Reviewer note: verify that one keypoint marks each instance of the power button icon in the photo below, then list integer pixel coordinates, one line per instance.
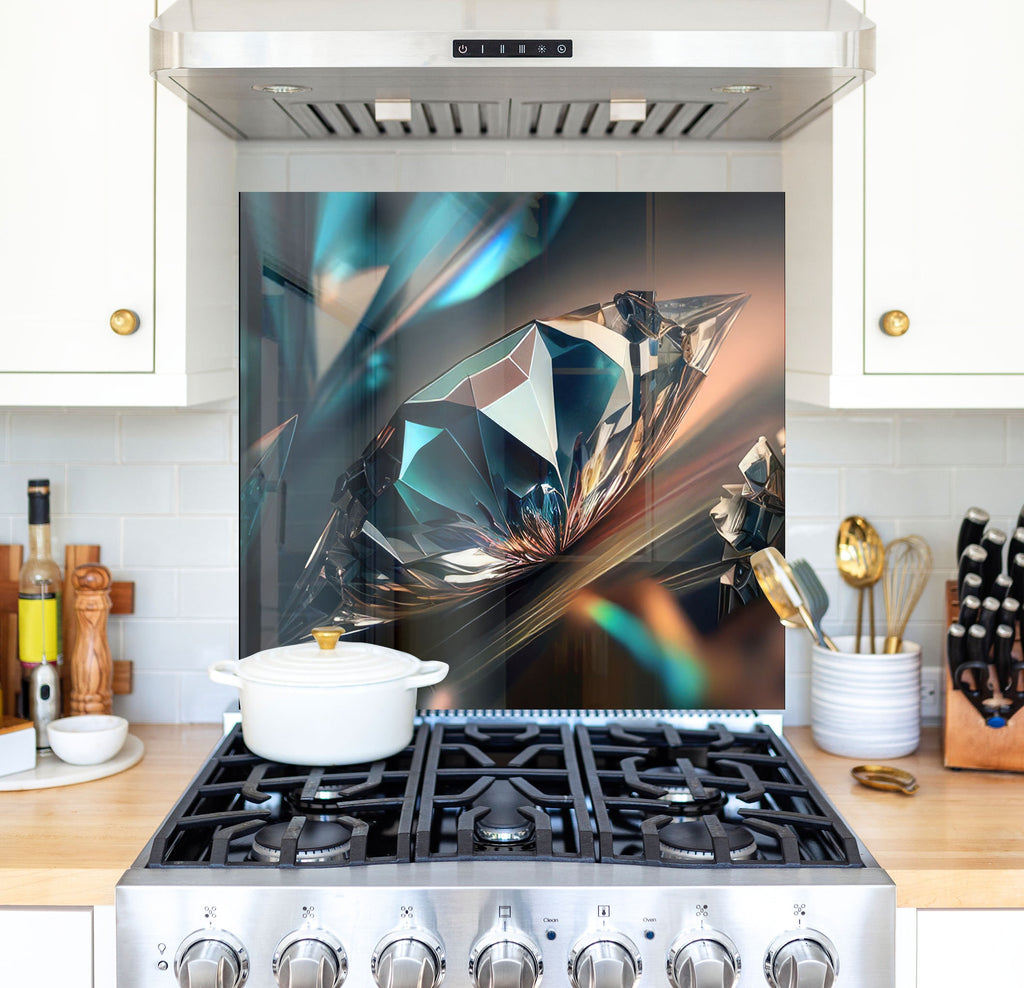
(463, 49)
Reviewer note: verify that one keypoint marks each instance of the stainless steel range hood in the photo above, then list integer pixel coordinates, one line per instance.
(496, 69)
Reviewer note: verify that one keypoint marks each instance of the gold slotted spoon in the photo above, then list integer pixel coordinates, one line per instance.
(860, 559)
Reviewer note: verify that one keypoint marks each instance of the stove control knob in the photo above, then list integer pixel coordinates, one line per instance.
(707, 959)
(310, 959)
(211, 959)
(408, 959)
(505, 961)
(605, 960)
(801, 959)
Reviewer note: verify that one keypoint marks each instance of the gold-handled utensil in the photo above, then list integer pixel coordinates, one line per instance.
(776, 581)
(860, 558)
(908, 564)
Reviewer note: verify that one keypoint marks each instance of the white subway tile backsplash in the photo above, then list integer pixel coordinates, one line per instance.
(73, 529)
(79, 437)
(155, 698)
(424, 172)
(156, 592)
(570, 171)
(755, 172)
(896, 493)
(840, 440)
(180, 437)
(209, 593)
(203, 701)
(119, 489)
(811, 493)
(343, 173)
(209, 490)
(941, 440)
(178, 542)
(161, 645)
(14, 478)
(669, 172)
(999, 490)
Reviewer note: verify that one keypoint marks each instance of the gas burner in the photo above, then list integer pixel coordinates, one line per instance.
(691, 841)
(682, 801)
(502, 823)
(319, 842)
(327, 803)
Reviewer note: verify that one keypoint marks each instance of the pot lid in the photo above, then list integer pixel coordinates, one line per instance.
(340, 664)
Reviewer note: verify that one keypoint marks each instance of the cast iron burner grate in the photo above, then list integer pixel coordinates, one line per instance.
(616, 793)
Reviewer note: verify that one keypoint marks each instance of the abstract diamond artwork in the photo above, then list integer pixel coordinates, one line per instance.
(433, 473)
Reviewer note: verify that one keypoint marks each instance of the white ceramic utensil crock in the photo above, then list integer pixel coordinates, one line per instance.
(328, 703)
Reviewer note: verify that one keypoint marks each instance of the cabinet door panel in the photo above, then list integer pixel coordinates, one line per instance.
(944, 151)
(76, 194)
(46, 947)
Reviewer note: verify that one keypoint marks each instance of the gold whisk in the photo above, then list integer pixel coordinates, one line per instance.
(908, 564)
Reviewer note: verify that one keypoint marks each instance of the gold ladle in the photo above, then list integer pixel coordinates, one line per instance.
(860, 558)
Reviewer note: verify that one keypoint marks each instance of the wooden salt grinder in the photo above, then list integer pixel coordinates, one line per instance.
(92, 670)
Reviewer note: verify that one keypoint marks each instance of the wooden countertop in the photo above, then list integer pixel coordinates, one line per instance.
(958, 843)
(69, 846)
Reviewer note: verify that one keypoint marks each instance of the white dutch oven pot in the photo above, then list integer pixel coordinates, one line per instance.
(325, 703)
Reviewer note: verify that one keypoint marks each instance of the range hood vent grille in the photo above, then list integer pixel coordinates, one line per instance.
(355, 120)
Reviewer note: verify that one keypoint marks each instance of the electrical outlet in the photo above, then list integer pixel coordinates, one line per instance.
(931, 694)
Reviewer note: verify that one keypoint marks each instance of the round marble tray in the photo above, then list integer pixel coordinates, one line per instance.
(50, 771)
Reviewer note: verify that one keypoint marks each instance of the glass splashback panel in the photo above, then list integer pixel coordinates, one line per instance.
(534, 435)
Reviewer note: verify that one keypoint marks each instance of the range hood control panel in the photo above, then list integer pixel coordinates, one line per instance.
(512, 48)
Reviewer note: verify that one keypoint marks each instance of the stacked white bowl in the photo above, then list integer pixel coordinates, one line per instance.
(863, 705)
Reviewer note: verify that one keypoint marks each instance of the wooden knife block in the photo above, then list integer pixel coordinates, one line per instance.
(122, 597)
(967, 741)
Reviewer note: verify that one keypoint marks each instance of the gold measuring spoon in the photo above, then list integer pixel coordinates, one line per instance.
(860, 559)
(885, 777)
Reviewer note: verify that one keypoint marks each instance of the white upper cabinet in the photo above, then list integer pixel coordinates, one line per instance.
(98, 182)
(907, 198)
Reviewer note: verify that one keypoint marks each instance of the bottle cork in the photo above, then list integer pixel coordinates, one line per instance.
(92, 670)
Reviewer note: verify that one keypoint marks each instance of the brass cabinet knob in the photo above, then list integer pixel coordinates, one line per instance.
(124, 322)
(895, 323)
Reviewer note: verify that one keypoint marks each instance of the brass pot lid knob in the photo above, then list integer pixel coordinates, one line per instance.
(327, 637)
(895, 323)
(124, 322)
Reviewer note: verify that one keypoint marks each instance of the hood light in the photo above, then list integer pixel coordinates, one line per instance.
(281, 90)
(740, 89)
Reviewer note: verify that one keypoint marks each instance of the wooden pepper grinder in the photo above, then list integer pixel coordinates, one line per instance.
(92, 670)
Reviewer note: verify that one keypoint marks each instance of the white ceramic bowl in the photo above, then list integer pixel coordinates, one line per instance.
(88, 739)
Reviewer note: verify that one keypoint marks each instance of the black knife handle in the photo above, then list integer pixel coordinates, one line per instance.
(1016, 545)
(977, 659)
(970, 608)
(1017, 576)
(972, 560)
(1001, 659)
(1020, 518)
(971, 528)
(988, 619)
(1001, 586)
(1009, 612)
(993, 542)
(956, 651)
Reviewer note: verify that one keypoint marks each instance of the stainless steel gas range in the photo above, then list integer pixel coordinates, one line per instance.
(598, 852)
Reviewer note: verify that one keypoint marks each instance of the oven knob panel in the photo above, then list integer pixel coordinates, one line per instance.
(310, 959)
(605, 960)
(408, 959)
(211, 959)
(801, 959)
(707, 959)
(505, 961)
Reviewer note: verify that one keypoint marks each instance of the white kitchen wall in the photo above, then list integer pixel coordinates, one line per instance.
(158, 489)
